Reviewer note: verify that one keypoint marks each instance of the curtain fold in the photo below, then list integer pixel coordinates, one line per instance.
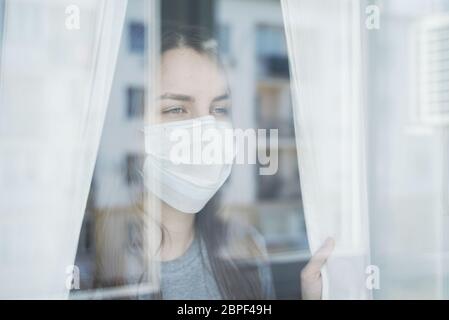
(54, 89)
(325, 48)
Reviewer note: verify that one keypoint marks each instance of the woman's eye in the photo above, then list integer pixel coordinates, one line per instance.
(174, 110)
(222, 111)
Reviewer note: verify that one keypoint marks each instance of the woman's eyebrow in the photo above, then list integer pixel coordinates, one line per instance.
(176, 96)
(222, 97)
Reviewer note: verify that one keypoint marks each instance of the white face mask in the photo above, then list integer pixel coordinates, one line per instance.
(188, 161)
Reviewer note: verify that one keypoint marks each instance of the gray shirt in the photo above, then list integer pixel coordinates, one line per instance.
(190, 276)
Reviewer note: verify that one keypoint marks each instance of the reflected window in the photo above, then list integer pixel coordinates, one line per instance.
(272, 51)
(137, 37)
(224, 39)
(135, 102)
(134, 163)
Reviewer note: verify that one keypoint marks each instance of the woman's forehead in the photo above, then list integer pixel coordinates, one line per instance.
(186, 71)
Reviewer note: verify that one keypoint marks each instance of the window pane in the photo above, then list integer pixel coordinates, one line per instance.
(369, 105)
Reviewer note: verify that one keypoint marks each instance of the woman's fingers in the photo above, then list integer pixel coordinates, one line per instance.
(311, 285)
(312, 269)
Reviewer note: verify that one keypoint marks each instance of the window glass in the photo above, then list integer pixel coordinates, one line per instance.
(370, 113)
(207, 149)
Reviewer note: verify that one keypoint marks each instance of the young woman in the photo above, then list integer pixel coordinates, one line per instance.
(196, 253)
(201, 255)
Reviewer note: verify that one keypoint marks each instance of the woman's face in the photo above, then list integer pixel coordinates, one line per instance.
(192, 85)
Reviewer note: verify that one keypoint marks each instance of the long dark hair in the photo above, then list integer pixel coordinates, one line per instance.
(236, 278)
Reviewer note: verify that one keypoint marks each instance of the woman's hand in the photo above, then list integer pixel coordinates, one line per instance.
(311, 283)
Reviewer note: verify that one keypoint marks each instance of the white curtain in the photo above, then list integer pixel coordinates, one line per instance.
(55, 80)
(325, 51)
(370, 106)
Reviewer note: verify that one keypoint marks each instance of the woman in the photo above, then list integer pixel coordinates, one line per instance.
(201, 255)
(188, 250)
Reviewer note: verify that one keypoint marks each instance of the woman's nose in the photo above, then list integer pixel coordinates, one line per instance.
(201, 110)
